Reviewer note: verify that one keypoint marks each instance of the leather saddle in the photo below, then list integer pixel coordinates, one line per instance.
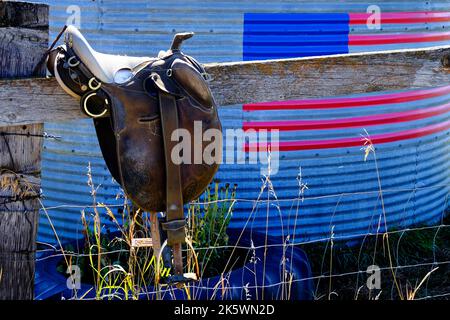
(136, 104)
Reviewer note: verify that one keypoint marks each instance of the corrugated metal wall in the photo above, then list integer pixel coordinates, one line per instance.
(277, 35)
(342, 188)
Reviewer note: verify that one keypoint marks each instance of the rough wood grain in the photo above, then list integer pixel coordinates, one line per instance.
(24, 15)
(23, 41)
(41, 100)
(327, 76)
(20, 49)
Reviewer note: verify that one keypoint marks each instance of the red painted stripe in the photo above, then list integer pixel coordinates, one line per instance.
(402, 17)
(349, 142)
(379, 39)
(364, 121)
(351, 102)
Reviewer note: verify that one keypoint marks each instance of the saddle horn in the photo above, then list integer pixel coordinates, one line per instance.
(179, 38)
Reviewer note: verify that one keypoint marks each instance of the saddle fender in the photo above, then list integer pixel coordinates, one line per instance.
(192, 83)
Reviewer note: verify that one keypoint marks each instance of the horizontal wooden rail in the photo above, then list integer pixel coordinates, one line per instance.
(41, 100)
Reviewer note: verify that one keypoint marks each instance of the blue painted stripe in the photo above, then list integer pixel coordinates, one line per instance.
(288, 35)
(296, 18)
(281, 28)
(290, 40)
(266, 55)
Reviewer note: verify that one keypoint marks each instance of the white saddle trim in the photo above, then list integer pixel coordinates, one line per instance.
(103, 66)
(61, 82)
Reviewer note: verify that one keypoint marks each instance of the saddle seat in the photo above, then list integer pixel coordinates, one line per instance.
(107, 68)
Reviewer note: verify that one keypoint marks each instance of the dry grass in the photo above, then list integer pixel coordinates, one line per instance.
(413, 264)
(417, 258)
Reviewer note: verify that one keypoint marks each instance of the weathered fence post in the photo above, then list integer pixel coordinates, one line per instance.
(23, 41)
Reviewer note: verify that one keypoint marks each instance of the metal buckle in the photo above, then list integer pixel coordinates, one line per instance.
(86, 109)
(91, 84)
(73, 64)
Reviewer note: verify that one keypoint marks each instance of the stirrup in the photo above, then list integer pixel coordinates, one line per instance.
(178, 279)
(166, 253)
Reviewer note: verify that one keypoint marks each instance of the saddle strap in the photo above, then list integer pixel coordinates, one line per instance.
(174, 197)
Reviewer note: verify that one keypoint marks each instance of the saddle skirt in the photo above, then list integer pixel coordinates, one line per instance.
(136, 104)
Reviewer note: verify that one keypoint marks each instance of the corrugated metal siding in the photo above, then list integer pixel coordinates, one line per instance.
(145, 27)
(343, 188)
(287, 35)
